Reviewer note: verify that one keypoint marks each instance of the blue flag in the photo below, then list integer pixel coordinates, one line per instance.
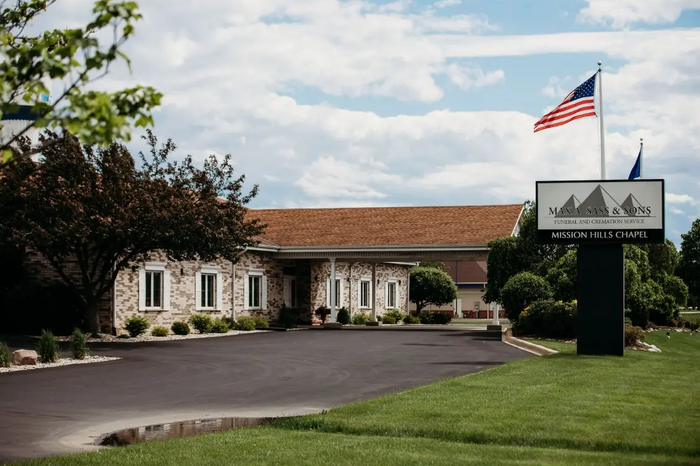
(637, 169)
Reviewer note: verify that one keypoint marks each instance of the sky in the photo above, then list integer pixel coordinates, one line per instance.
(327, 103)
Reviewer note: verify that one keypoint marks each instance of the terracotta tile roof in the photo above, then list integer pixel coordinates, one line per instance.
(467, 271)
(388, 226)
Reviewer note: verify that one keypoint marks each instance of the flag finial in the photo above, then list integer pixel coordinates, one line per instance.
(600, 63)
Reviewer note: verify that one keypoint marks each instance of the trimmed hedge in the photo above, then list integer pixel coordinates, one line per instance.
(548, 318)
(521, 291)
(180, 328)
(136, 325)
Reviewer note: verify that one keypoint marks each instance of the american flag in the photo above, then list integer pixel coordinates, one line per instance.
(578, 104)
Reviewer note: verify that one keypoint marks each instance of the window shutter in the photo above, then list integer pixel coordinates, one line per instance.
(359, 294)
(219, 291)
(246, 291)
(197, 291)
(263, 304)
(386, 295)
(166, 290)
(142, 290)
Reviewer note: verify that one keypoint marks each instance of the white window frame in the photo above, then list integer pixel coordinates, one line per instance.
(263, 290)
(339, 292)
(164, 286)
(395, 282)
(362, 280)
(218, 288)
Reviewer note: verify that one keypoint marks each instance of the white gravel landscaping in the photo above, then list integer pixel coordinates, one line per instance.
(60, 362)
(104, 337)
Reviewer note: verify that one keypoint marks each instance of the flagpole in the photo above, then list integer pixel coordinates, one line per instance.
(602, 126)
(641, 157)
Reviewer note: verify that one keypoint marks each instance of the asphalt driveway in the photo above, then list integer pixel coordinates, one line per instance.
(61, 410)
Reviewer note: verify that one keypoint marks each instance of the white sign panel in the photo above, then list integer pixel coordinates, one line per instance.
(617, 211)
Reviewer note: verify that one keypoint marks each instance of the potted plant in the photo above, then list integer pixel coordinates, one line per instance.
(322, 313)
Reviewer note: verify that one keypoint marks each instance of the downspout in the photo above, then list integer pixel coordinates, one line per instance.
(114, 302)
(233, 285)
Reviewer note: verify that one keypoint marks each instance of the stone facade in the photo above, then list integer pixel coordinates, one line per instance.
(350, 275)
(310, 277)
(182, 292)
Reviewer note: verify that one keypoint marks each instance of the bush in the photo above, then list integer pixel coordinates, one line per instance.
(322, 313)
(437, 318)
(47, 348)
(442, 318)
(387, 319)
(632, 334)
(160, 331)
(547, 318)
(180, 328)
(136, 325)
(640, 317)
(244, 324)
(5, 355)
(521, 291)
(219, 326)
(260, 322)
(289, 317)
(396, 314)
(409, 319)
(343, 316)
(227, 320)
(360, 318)
(78, 344)
(201, 322)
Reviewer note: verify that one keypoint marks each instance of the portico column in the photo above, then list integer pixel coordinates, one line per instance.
(374, 292)
(495, 314)
(332, 285)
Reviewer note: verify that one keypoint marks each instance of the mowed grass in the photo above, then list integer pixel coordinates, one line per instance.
(560, 409)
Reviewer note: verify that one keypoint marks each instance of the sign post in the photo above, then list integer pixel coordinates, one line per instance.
(600, 217)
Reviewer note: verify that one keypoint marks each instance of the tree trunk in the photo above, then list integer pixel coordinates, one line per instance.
(93, 315)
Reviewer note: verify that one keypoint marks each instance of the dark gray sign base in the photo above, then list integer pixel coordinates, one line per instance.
(601, 299)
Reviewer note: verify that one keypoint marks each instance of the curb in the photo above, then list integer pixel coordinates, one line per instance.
(508, 338)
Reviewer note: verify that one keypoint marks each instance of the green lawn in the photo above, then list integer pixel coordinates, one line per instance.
(555, 410)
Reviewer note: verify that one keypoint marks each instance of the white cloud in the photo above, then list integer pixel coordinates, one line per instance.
(446, 3)
(270, 178)
(676, 210)
(679, 199)
(622, 13)
(473, 77)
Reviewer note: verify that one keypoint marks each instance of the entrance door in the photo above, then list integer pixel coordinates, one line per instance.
(290, 291)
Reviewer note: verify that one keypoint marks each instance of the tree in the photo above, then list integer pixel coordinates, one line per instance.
(504, 261)
(520, 291)
(663, 259)
(562, 277)
(76, 57)
(689, 263)
(533, 253)
(95, 208)
(430, 285)
(436, 265)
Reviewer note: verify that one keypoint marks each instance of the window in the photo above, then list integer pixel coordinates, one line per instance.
(208, 292)
(254, 291)
(154, 289)
(208, 289)
(365, 293)
(391, 288)
(338, 292)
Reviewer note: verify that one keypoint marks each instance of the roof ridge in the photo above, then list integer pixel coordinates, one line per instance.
(386, 207)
